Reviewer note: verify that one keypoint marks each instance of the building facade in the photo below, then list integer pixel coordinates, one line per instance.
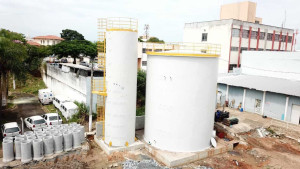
(244, 11)
(270, 87)
(236, 36)
(47, 40)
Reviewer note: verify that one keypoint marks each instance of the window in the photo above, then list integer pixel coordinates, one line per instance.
(290, 39)
(256, 21)
(53, 118)
(276, 37)
(144, 50)
(41, 121)
(282, 38)
(144, 63)
(231, 66)
(235, 32)
(245, 33)
(12, 130)
(254, 35)
(234, 48)
(204, 37)
(45, 95)
(269, 37)
(262, 35)
(243, 48)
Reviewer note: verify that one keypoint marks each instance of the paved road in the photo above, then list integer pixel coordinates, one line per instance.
(27, 105)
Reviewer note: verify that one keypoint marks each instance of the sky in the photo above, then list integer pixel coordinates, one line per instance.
(166, 18)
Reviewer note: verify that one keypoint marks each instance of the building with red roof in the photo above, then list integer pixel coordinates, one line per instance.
(47, 40)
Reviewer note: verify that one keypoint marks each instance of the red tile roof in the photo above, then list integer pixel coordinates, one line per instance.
(49, 37)
(30, 42)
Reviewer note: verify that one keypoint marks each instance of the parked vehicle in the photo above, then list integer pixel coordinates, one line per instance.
(10, 129)
(45, 96)
(64, 60)
(68, 109)
(35, 121)
(52, 119)
(58, 100)
(84, 64)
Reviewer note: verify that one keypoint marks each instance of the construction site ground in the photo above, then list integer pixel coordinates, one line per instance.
(279, 148)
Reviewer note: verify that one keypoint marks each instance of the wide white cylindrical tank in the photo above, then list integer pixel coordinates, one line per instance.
(180, 101)
(121, 76)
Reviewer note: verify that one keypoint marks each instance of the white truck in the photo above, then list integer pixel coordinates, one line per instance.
(58, 100)
(68, 109)
(52, 119)
(45, 96)
(35, 121)
(10, 129)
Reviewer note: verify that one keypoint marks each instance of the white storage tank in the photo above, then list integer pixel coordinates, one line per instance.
(121, 76)
(180, 97)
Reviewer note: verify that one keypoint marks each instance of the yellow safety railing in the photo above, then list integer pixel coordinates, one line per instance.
(119, 23)
(184, 49)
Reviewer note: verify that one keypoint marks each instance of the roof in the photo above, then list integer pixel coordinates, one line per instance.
(62, 98)
(234, 21)
(36, 117)
(70, 105)
(30, 42)
(45, 90)
(52, 37)
(76, 66)
(263, 83)
(52, 114)
(11, 124)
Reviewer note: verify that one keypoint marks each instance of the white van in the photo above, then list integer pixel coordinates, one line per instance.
(45, 96)
(68, 109)
(58, 100)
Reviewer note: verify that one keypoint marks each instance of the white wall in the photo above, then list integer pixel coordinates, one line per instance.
(273, 64)
(217, 34)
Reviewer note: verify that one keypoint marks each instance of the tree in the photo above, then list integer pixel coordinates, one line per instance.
(36, 55)
(141, 87)
(155, 40)
(140, 39)
(69, 34)
(12, 56)
(75, 49)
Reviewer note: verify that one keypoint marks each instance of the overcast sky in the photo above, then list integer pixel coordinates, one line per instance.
(165, 17)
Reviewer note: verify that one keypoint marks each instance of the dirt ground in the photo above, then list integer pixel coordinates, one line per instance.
(279, 149)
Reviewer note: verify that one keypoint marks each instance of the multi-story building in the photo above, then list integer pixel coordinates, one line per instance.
(235, 36)
(238, 30)
(47, 40)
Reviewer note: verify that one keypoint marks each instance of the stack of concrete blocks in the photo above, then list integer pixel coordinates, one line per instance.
(46, 141)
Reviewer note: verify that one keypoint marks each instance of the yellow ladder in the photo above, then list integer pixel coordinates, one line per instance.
(99, 85)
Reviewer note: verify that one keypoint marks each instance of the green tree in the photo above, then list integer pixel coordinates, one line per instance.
(141, 87)
(36, 55)
(75, 49)
(140, 39)
(155, 40)
(13, 53)
(69, 34)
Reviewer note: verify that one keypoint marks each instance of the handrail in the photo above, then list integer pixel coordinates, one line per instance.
(184, 48)
(120, 23)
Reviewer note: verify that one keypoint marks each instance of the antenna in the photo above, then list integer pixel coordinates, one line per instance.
(284, 20)
(146, 28)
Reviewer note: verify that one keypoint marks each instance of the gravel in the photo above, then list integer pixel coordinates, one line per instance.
(149, 164)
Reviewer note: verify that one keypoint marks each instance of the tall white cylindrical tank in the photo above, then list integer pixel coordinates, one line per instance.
(180, 101)
(121, 76)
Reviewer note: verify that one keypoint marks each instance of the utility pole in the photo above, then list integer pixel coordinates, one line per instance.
(91, 99)
(146, 28)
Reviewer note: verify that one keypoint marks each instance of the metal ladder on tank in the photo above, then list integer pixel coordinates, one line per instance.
(99, 86)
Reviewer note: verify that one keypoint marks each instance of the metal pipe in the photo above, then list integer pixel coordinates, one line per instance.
(91, 100)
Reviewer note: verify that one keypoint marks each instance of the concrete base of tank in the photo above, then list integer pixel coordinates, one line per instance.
(108, 150)
(173, 159)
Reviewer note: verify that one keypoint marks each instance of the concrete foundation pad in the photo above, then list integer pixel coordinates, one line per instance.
(109, 150)
(173, 159)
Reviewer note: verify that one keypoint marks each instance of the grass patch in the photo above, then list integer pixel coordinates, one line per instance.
(31, 86)
(10, 106)
(62, 117)
(140, 111)
(270, 130)
(50, 108)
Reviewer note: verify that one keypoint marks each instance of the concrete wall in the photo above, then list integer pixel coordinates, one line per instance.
(140, 122)
(251, 96)
(245, 11)
(272, 64)
(236, 94)
(292, 101)
(275, 105)
(69, 84)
